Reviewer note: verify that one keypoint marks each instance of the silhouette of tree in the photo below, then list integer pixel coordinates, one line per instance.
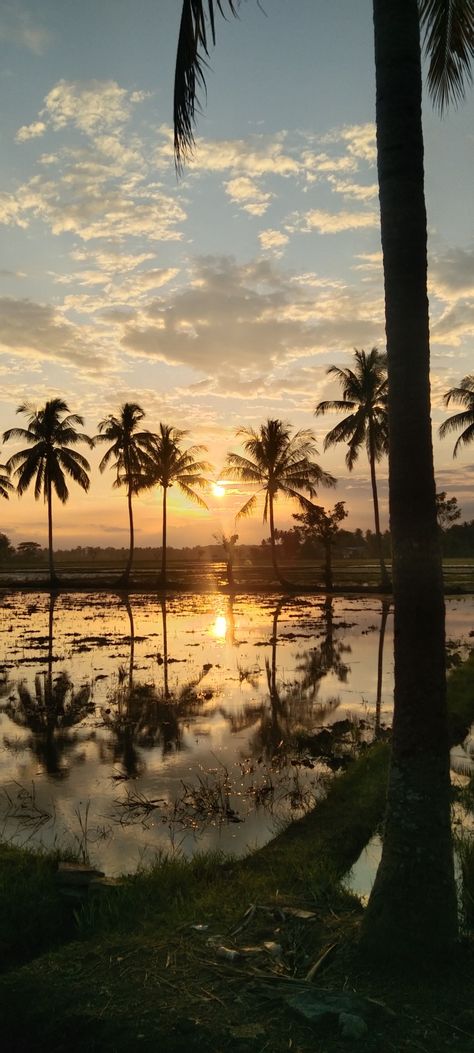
(6, 486)
(129, 454)
(413, 903)
(278, 463)
(364, 391)
(464, 394)
(447, 510)
(316, 522)
(50, 459)
(170, 465)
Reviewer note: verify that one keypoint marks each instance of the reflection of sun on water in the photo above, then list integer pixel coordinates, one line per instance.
(219, 628)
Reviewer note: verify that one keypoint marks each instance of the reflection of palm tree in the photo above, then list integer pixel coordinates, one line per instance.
(50, 459)
(290, 706)
(325, 659)
(464, 394)
(378, 704)
(170, 465)
(365, 393)
(129, 454)
(50, 711)
(142, 717)
(278, 463)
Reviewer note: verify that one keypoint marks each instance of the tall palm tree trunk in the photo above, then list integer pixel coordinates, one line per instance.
(163, 551)
(126, 574)
(49, 498)
(412, 907)
(384, 578)
(276, 568)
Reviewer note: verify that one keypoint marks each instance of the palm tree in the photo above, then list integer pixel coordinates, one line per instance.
(465, 395)
(129, 454)
(50, 459)
(278, 463)
(170, 464)
(5, 484)
(413, 903)
(364, 391)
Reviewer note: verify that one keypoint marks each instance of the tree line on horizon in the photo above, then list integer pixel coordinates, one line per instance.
(276, 461)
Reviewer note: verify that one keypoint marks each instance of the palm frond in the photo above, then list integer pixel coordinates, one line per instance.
(448, 41)
(189, 71)
(247, 508)
(333, 404)
(191, 494)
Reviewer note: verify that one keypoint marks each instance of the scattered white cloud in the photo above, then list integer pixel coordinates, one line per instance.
(334, 222)
(30, 131)
(273, 241)
(355, 191)
(245, 192)
(90, 106)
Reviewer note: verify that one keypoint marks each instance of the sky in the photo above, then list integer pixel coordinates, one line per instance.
(220, 299)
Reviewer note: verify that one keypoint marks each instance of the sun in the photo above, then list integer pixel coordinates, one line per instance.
(218, 490)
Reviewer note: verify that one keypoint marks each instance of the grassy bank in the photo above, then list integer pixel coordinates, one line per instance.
(206, 955)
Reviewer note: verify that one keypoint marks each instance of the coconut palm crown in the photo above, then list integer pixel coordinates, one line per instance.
(170, 465)
(365, 393)
(277, 463)
(129, 454)
(464, 394)
(49, 461)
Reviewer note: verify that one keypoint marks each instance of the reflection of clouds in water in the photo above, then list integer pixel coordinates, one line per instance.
(217, 707)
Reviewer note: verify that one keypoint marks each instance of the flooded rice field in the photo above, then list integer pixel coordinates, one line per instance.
(132, 726)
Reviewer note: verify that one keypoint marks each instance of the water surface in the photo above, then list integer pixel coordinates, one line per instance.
(130, 726)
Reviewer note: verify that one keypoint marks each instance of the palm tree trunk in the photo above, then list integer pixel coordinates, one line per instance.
(412, 908)
(49, 498)
(272, 540)
(384, 578)
(126, 574)
(163, 550)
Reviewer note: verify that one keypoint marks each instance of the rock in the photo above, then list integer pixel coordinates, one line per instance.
(351, 1026)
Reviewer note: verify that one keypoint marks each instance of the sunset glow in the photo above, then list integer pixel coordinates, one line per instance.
(220, 299)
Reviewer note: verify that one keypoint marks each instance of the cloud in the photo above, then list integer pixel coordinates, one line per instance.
(334, 222)
(256, 156)
(361, 141)
(242, 327)
(17, 26)
(245, 192)
(30, 131)
(353, 191)
(37, 331)
(273, 241)
(451, 274)
(90, 106)
(90, 199)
